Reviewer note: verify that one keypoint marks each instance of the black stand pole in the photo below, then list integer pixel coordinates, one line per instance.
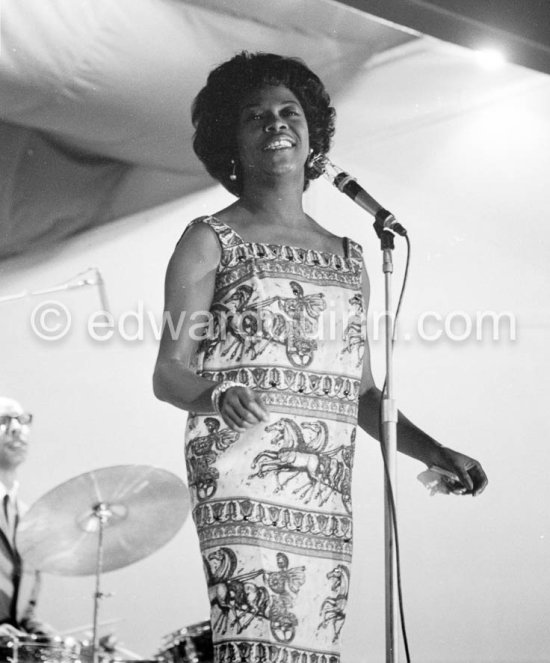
(389, 442)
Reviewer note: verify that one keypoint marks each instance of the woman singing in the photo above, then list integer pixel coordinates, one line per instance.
(274, 389)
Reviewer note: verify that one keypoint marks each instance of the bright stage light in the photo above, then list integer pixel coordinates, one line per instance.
(490, 58)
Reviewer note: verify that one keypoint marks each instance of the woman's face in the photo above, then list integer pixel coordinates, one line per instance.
(272, 134)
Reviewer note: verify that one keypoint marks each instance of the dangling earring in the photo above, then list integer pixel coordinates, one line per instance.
(316, 162)
(233, 173)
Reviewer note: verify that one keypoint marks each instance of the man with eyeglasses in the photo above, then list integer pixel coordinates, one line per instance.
(14, 434)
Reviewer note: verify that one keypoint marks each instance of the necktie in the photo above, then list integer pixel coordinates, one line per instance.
(6, 502)
(9, 515)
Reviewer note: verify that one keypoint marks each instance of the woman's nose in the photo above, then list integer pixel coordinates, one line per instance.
(274, 123)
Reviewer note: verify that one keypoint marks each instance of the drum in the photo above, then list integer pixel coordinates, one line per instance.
(31, 650)
(192, 644)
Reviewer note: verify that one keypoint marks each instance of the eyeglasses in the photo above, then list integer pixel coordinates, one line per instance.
(24, 419)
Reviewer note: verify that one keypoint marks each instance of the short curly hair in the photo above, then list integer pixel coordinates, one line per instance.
(215, 110)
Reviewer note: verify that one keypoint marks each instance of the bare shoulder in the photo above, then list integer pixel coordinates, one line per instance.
(235, 216)
(330, 242)
(198, 244)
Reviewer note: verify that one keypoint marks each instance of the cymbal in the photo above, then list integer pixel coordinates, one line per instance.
(142, 508)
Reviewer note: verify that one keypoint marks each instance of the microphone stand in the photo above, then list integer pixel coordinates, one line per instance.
(385, 225)
(389, 442)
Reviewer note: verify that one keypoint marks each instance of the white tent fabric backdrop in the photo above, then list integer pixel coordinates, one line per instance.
(461, 155)
(96, 90)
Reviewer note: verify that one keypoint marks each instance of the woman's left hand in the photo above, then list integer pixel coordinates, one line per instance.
(471, 475)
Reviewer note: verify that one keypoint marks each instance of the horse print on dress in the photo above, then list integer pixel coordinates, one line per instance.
(201, 456)
(333, 608)
(240, 600)
(354, 333)
(327, 471)
(244, 325)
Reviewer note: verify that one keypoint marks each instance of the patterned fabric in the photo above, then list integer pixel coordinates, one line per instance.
(272, 505)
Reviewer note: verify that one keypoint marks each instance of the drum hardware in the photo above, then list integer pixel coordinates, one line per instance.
(191, 644)
(101, 521)
(33, 649)
(109, 651)
(104, 514)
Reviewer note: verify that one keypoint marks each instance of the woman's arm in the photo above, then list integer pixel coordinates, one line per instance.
(189, 291)
(411, 440)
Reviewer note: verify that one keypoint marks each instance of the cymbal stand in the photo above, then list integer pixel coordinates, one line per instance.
(102, 512)
(15, 657)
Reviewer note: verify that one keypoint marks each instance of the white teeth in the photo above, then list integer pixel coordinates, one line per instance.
(278, 145)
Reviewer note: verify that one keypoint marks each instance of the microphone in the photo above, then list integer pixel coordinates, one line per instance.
(347, 184)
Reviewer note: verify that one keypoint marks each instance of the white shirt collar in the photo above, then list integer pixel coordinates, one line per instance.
(11, 493)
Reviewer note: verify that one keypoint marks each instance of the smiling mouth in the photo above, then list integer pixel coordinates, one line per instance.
(279, 144)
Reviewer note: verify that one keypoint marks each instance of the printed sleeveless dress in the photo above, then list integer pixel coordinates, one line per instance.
(272, 505)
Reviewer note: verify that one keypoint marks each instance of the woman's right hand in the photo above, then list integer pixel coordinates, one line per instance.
(242, 408)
